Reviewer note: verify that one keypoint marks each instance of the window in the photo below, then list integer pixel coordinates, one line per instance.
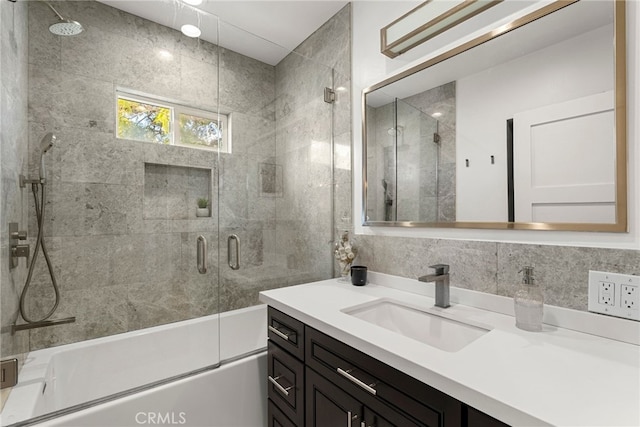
(145, 119)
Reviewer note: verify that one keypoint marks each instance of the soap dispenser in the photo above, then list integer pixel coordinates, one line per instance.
(528, 301)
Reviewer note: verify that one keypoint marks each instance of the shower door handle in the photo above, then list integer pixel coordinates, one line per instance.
(202, 254)
(234, 265)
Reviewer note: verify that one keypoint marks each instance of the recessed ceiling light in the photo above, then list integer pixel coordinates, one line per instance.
(193, 2)
(190, 30)
(437, 114)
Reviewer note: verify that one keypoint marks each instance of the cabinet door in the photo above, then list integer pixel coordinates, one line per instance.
(275, 417)
(386, 417)
(327, 405)
(286, 383)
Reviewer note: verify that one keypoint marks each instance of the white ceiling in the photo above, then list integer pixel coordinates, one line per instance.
(262, 29)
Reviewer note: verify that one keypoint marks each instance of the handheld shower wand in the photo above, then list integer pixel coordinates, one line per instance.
(45, 144)
(40, 202)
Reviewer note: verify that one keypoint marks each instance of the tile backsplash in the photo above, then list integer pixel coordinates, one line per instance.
(493, 267)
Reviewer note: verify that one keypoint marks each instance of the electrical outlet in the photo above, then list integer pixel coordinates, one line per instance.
(606, 293)
(629, 297)
(614, 294)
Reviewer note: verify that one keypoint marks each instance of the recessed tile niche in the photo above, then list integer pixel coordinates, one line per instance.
(172, 192)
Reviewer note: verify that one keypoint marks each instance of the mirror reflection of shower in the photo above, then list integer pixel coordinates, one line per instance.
(388, 183)
(38, 189)
(388, 201)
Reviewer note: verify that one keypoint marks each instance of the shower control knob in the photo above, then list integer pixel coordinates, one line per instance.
(20, 235)
(20, 251)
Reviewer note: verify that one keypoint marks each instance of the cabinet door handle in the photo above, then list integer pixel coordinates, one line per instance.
(351, 418)
(279, 333)
(356, 381)
(281, 389)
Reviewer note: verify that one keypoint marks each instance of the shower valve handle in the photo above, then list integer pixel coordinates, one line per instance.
(20, 251)
(20, 235)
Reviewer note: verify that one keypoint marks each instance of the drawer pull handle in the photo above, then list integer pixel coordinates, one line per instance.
(279, 333)
(351, 418)
(354, 380)
(281, 389)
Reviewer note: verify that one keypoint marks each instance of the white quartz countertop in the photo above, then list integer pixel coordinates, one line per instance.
(555, 377)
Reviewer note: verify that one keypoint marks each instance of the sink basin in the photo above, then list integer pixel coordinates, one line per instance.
(427, 327)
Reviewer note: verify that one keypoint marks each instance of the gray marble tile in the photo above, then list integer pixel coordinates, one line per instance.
(14, 155)
(91, 209)
(63, 99)
(153, 75)
(99, 312)
(199, 83)
(156, 303)
(91, 53)
(330, 44)
(562, 271)
(473, 264)
(45, 48)
(95, 157)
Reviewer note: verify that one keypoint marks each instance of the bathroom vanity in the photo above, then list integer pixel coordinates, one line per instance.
(334, 360)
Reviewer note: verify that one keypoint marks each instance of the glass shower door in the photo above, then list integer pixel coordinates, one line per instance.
(275, 183)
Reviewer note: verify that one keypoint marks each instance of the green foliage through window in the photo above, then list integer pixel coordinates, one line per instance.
(141, 119)
(196, 130)
(143, 122)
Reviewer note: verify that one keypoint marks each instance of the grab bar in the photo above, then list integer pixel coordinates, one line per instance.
(202, 254)
(236, 265)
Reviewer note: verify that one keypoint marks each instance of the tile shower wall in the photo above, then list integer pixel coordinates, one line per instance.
(121, 268)
(13, 160)
(291, 166)
(123, 251)
(304, 131)
(493, 267)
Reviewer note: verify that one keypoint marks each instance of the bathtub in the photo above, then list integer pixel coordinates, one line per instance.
(106, 381)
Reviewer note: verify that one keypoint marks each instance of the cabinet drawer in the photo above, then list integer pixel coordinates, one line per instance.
(350, 369)
(287, 332)
(477, 418)
(286, 383)
(275, 417)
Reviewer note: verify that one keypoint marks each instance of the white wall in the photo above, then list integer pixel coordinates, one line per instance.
(369, 66)
(568, 70)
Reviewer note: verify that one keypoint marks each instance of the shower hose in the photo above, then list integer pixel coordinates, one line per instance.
(40, 204)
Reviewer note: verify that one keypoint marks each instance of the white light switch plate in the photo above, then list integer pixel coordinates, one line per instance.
(614, 294)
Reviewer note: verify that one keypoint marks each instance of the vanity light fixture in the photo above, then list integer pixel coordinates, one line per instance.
(427, 21)
(190, 30)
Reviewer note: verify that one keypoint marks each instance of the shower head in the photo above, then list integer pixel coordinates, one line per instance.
(384, 184)
(45, 144)
(66, 27)
(394, 131)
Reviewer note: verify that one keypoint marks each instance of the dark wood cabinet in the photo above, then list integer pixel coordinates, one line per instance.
(285, 370)
(391, 396)
(476, 418)
(318, 381)
(327, 405)
(276, 418)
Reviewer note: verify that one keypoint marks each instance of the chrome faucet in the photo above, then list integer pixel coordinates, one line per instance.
(441, 278)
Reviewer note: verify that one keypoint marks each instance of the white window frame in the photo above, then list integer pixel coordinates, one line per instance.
(224, 120)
